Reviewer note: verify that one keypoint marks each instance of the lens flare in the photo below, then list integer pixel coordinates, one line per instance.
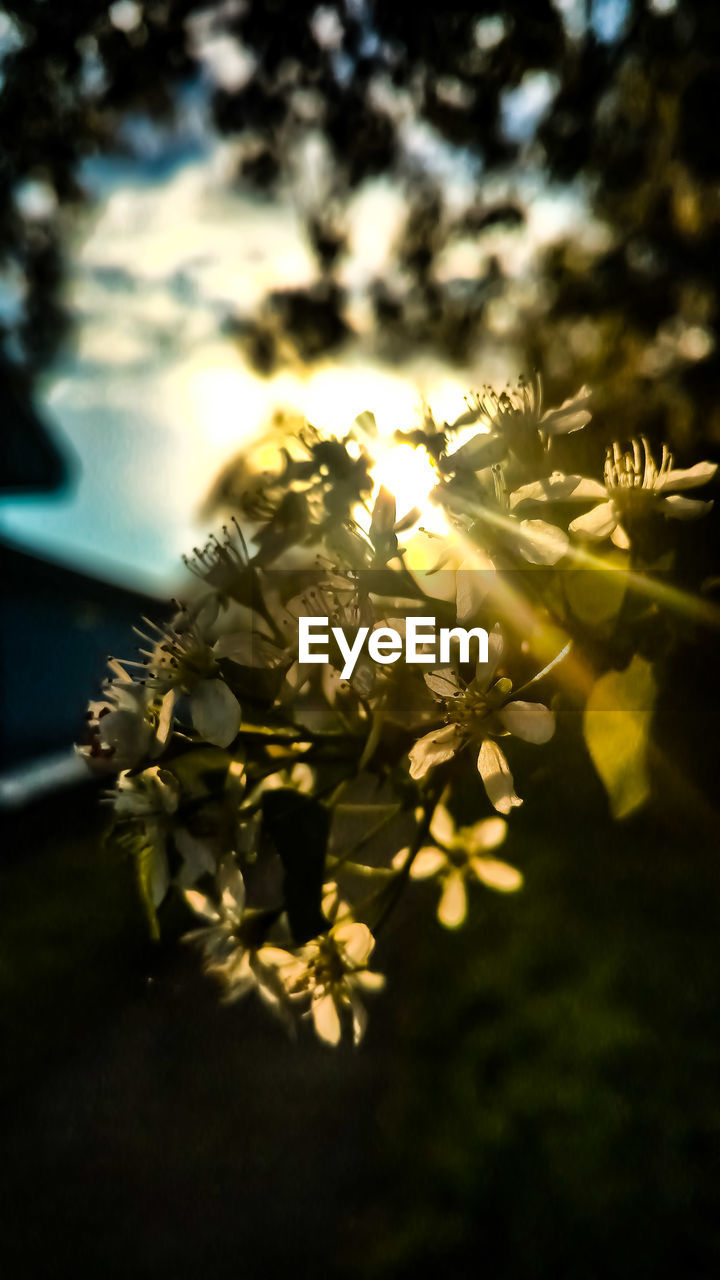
(408, 474)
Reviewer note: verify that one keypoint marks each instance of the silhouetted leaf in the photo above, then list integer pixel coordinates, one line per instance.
(298, 827)
(287, 527)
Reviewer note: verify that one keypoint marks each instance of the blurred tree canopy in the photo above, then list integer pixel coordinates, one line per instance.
(616, 101)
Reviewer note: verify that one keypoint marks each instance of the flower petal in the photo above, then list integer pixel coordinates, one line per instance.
(486, 834)
(427, 862)
(530, 721)
(165, 717)
(216, 712)
(355, 939)
(359, 1017)
(542, 543)
(238, 968)
(496, 874)
(330, 900)
(443, 683)
(595, 524)
(127, 734)
(326, 1018)
(558, 488)
(369, 980)
(407, 521)
(495, 773)
(472, 583)
(684, 508)
(452, 908)
(483, 450)
(236, 987)
(570, 416)
(274, 957)
(619, 538)
(232, 889)
(384, 514)
(295, 976)
(214, 939)
(159, 871)
(165, 787)
(442, 827)
(688, 479)
(562, 426)
(196, 854)
(434, 748)
(298, 674)
(269, 980)
(201, 905)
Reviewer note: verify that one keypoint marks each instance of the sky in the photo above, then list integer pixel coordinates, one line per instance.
(150, 397)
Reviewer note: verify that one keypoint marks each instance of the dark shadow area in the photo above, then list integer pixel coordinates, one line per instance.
(537, 1094)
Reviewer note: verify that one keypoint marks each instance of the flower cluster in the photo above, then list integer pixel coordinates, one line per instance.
(245, 774)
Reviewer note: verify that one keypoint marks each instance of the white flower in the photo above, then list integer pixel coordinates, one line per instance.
(481, 711)
(334, 596)
(486, 500)
(148, 801)
(635, 488)
(524, 405)
(332, 970)
(223, 565)
(516, 423)
(183, 662)
(127, 726)
(457, 857)
(153, 793)
(233, 942)
(540, 542)
(384, 526)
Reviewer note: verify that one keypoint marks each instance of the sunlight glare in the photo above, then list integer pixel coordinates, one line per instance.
(408, 474)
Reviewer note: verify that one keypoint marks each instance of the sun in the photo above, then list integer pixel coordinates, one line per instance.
(408, 474)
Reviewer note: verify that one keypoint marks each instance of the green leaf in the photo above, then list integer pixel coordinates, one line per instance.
(617, 732)
(144, 855)
(138, 844)
(201, 771)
